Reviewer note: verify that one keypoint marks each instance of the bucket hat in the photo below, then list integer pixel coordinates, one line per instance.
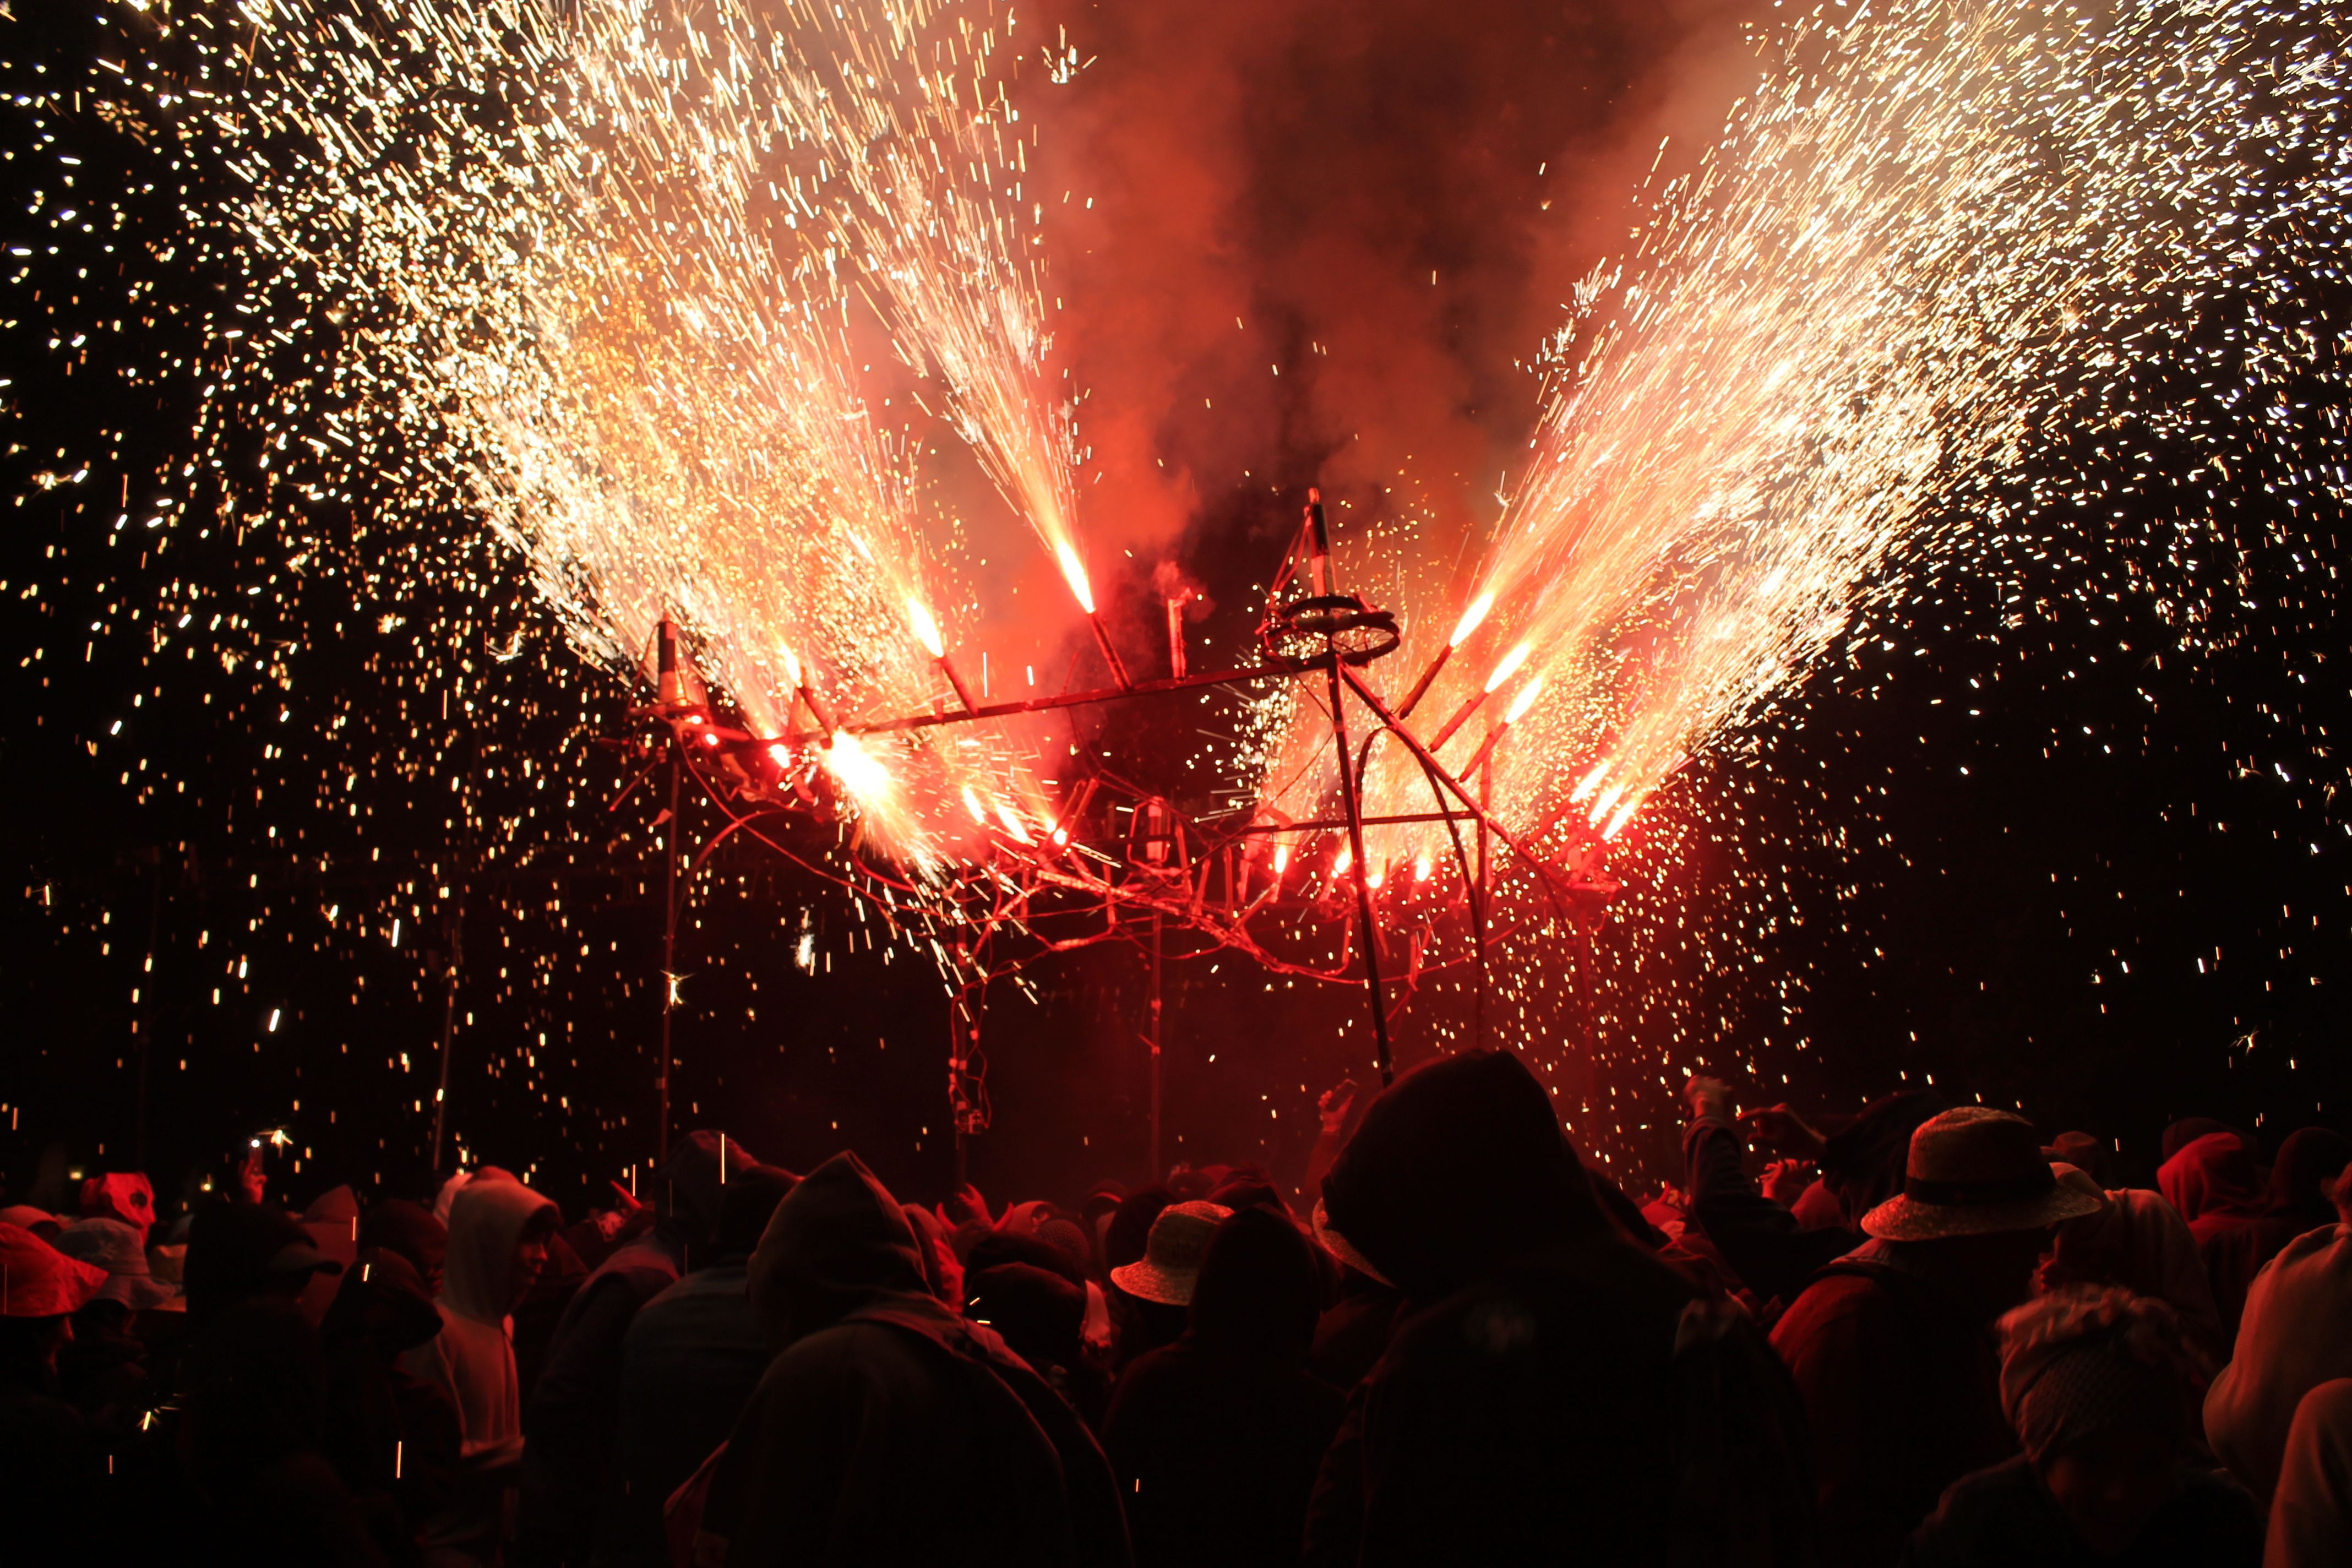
(1171, 1264)
(114, 1245)
(1974, 1171)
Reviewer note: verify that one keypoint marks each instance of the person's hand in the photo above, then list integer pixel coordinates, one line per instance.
(1779, 1127)
(1020, 1219)
(1785, 1180)
(1332, 1105)
(1707, 1097)
(965, 1204)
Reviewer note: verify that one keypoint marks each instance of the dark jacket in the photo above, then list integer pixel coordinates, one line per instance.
(887, 1430)
(2004, 1518)
(1216, 1440)
(692, 1358)
(574, 1405)
(1903, 1392)
(1562, 1394)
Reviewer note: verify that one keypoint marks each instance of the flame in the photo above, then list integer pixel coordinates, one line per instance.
(1524, 701)
(1013, 823)
(1341, 861)
(1281, 857)
(1074, 572)
(1471, 617)
(971, 803)
(1509, 667)
(1422, 867)
(926, 630)
(1586, 784)
(858, 772)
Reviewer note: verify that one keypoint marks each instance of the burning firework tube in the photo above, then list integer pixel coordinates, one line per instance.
(927, 632)
(1318, 544)
(1176, 634)
(1461, 630)
(669, 686)
(1503, 671)
(1110, 654)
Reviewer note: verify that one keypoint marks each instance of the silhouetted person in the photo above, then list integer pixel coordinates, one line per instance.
(691, 1358)
(1229, 1412)
(48, 1466)
(1891, 1345)
(499, 1231)
(887, 1430)
(2218, 1188)
(570, 1422)
(391, 1437)
(2311, 1511)
(2296, 1335)
(2100, 1387)
(1558, 1387)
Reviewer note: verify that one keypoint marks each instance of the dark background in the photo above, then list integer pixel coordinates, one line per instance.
(2027, 836)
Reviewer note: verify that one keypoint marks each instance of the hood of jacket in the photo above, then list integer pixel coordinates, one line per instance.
(1460, 1168)
(2215, 1174)
(486, 1219)
(837, 1244)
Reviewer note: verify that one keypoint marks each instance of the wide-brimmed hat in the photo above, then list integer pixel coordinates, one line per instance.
(114, 1245)
(1172, 1257)
(36, 1280)
(1340, 1247)
(1974, 1171)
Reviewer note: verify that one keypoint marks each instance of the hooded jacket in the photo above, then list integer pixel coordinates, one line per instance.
(887, 1430)
(575, 1401)
(1558, 1383)
(472, 1359)
(2220, 1190)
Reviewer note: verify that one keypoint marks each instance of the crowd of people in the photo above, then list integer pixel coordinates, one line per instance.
(1917, 1335)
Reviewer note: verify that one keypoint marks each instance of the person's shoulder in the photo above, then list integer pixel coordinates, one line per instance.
(2213, 1514)
(1996, 1515)
(1845, 1294)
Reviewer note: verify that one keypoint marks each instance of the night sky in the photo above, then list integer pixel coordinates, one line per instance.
(2030, 835)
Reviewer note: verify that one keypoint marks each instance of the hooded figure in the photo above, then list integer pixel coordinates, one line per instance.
(1556, 1384)
(887, 1430)
(691, 1358)
(2137, 1242)
(2220, 1190)
(575, 1403)
(1228, 1412)
(497, 1230)
(391, 1436)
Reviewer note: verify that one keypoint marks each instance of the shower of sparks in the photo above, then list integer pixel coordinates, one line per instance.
(1934, 238)
(615, 277)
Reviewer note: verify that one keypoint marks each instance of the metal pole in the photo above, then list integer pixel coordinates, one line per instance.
(670, 953)
(1158, 1169)
(1363, 871)
(453, 952)
(144, 1023)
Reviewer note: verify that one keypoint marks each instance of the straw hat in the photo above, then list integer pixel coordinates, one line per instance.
(1340, 1247)
(1974, 1171)
(1172, 1257)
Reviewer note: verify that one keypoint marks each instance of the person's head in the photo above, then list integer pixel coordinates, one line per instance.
(1459, 1169)
(1036, 1311)
(2307, 1162)
(1863, 1162)
(396, 1225)
(2100, 1386)
(498, 1236)
(745, 1206)
(687, 1188)
(2219, 1173)
(40, 1290)
(531, 1253)
(2186, 1130)
(837, 1242)
(1129, 1228)
(240, 1252)
(1258, 1290)
(1977, 1206)
(2339, 1193)
(119, 1247)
